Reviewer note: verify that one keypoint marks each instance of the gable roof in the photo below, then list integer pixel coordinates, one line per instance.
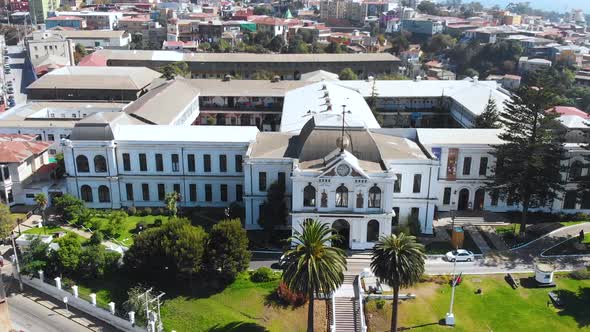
(19, 151)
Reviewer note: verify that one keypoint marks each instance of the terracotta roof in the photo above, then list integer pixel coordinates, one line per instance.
(17, 137)
(64, 18)
(94, 60)
(569, 110)
(17, 152)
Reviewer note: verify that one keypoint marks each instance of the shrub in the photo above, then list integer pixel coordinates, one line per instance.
(380, 303)
(582, 274)
(264, 274)
(160, 212)
(158, 222)
(580, 216)
(289, 297)
(131, 211)
(96, 238)
(414, 225)
(147, 211)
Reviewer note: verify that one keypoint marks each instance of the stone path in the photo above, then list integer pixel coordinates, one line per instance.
(496, 239)
(478, 239)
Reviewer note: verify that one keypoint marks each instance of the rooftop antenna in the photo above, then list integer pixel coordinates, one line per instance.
(342, 132)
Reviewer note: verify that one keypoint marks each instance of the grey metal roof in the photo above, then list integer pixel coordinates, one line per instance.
(100, 126)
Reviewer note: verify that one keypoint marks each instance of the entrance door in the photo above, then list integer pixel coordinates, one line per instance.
(342, 228)
(479, 198)
(463, 199)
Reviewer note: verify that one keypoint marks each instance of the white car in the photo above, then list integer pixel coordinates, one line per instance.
(460, 255)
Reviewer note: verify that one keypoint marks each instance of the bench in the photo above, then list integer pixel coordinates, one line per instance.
(555, 299)
(511, 281)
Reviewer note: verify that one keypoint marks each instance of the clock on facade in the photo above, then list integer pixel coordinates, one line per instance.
(343, 170)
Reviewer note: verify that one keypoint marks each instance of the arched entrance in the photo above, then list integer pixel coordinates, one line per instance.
(478, 200)
(342, 228)
(463, 199)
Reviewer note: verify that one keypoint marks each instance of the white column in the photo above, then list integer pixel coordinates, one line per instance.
(58, 282)
(41, 275)
(75, 290)
(112, 307)
(93, 299)
(132, 317)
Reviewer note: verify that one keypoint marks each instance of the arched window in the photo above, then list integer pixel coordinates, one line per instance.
(342, 196)
(576, 170)
(309, 196)
(104, 195)
(360, 201)
(82, 164)
(374, 197)
(372, 231)
(86, 193)
(100, 164)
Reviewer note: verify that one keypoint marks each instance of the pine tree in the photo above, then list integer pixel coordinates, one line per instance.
(489, 117)
(528, 163)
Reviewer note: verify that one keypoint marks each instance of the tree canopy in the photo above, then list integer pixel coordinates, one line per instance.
(489, 117)
(347, 74)
(227, 249)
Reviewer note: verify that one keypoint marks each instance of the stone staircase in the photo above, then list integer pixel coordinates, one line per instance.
(346, 307)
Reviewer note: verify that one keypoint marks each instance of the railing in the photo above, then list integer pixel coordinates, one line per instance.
(333, 325)
(361, 306)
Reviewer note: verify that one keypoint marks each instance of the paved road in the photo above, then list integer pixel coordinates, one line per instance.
(21, 75)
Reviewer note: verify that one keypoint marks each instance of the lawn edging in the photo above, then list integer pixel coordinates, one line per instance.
(545, 235)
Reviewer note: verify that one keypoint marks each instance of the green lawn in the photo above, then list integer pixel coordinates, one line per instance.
(586, 238)
(49, 230)
(571, 223)
(500, 308)
(508, 229)
(126, 237)
(111, 288)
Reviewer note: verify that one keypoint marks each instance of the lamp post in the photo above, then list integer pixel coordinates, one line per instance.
(450, 317)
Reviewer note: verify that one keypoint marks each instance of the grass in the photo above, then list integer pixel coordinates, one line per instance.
(499, 308)
(571, 247)
(130, 225)
(16, 216)
(111, 288)
(571, 223)
(242, 306)
(508, 229)
(50, 230)
(586, 239)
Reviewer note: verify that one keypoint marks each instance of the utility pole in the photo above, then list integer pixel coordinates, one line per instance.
(450, 317)
(147, 308)
(160, 327)
(20, 278)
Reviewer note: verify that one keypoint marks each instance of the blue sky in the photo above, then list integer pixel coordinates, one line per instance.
(557, 5)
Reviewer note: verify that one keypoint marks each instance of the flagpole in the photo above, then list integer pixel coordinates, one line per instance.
(450, 317)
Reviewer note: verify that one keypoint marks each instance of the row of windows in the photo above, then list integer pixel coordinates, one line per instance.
(309, 197)
(262, 181)
(175, 162)
(483, 166)
(83, 166)
(145, 192)
(416, 186)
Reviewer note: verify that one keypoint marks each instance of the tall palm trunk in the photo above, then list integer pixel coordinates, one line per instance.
(310, 312)
(394, 312)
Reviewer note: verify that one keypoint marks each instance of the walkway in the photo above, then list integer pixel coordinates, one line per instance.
(346, 308)
(480, 242)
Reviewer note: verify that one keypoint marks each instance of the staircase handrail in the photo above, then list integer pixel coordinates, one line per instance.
(361, 306)
(333, 325)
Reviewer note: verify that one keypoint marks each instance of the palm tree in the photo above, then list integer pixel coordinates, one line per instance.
(41, 201)
(398, 260)
(313, 267)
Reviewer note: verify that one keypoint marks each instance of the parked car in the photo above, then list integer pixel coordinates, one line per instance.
(11, 103)
(9, 84)
(10, 90)
(460, 255)
(6, 58)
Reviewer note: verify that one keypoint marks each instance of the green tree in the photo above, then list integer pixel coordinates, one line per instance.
(399, 43)
(262, 10)
(35, 258)
(427, 7)
(41, 201)
(373, 102)
(274, 211)
(69, 207)
(313, 267)
(489, 117)
(7, 223)
(96, 238)
(335, 48)
(205, 46)
(439, 43)
(398, 260)
(61, 166)
(171, 200)
(136, 302)
(115, 223)
(227, 249)
(96, 261)
(67, 257)
(347, 74)
(79, 53)
(276, 44)
(222, 46)
(170, 71)
(528, 163)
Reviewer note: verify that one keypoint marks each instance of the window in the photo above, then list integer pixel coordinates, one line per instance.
(415, 212)
(100, 164)
(145, 191)
(192, 192)
(50, 137)
(142, 162)
(6, 172)
(191, 162)
(585, 201)
(126, 162)
(281, 179)
(417, 183)
(208, 193)
(372, 231)
(129, 190)
(309, 194)
(483, 166)
(570, 199)
(447, 196)
(239, 193)
(52, 151)
(342, 196)
(159, 162)
(238, 162)
(207, 162)
(576, 170)
(395, 219)
(397, 185)
(86, 193)
(466, 165)
(222, 163)
(104, 195)
(175, 166)
(223, 192)
(262, 181)
(176, 188)
(82, 164)
(161, 191)
(374, 197)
